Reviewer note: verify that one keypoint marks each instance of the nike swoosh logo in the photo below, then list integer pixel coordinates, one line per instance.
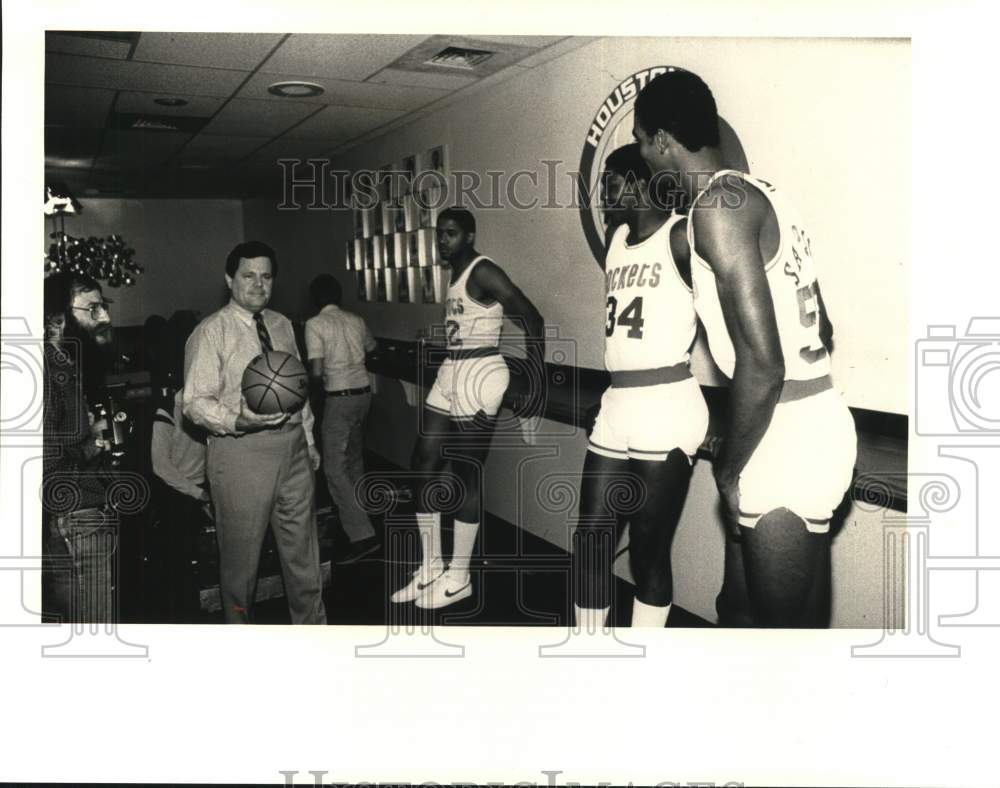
(457, 592)
(422, 586)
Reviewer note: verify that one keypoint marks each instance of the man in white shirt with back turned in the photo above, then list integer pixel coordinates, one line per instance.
(336, 343)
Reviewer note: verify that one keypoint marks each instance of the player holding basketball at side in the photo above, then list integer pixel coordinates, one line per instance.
(461, 409)
(653, 417)
(790, 445)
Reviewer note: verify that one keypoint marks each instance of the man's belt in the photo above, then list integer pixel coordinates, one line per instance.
(461, 354)
(634, 378)
(793, 390)
(349, 392)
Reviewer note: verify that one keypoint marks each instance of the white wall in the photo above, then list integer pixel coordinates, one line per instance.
(182, 244)
(827, 120)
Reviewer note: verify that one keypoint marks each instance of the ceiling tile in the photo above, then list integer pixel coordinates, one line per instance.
(242, 51)
(137, 150)
(451, 81)
(336, 124)
(285, 148)
(86, 45)
(339, 56)
(556, 50)
(519, 41)
(197, 106)
(349, 94)
(208, 148)
(79, 107)
(133, 75)
(259, 118)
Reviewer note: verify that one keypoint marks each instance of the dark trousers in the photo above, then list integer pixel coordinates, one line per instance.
(79, 567)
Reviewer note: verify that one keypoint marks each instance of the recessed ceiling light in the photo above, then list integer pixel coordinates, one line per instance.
(170, 102)
(295, 89)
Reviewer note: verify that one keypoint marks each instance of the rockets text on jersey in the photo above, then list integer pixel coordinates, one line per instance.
(649, 319)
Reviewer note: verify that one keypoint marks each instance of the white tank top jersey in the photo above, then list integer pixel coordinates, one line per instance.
(469, 323)
(650, 319)
(791, 277)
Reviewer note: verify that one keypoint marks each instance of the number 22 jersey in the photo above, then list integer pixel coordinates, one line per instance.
(650, 319)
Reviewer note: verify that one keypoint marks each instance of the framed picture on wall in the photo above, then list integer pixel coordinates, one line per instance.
(359, 254)
(404, 275)
(380, 277)
(389, 250)
(385, 185)
(413, 248)
(362, 287)
(441, 277)
(370, 253)
(429, 205)
(407, 172)
(391, 284)
(427, 281)
(427, 246)
(370, 287)
(349, 255)
(436, 160)
(399, 253)
(360, 221)
(378, 251)
(399, 215)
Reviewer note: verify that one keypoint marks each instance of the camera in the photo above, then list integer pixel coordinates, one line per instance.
(967, 369)
(119, 427)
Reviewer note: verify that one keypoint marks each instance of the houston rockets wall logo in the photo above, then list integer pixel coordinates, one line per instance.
(610, 128)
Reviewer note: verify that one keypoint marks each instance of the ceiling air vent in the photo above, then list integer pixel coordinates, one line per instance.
(459, 57)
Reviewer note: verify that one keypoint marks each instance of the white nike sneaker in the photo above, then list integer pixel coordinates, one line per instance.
(451, 587)
(423, 579)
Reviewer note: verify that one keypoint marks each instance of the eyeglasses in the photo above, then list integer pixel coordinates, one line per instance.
(95, 309)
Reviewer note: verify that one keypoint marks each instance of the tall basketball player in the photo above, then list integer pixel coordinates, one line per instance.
(790, 445)
(461, 409)
(653, 417)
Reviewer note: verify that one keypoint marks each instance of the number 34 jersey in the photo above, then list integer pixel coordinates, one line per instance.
(650, 320)
(791, 278)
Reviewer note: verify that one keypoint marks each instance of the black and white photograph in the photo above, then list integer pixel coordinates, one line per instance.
(646, 377)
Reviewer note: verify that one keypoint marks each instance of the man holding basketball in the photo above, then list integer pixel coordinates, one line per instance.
(261, 468)
(790, 442)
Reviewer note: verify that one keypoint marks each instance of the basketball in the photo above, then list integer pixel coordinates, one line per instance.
(275, 382)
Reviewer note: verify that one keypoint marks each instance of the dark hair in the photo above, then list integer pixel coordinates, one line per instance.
(249, 249)
(325, 289)
(59, 290)
(681, 104)
(461, 216)
(627, 162)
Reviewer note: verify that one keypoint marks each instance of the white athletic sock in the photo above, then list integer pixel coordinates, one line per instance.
(465, 539)
(644, 615)
(429, 524)
(590, 619)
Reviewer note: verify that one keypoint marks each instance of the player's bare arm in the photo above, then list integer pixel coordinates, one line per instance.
(493, 283)
(681, 251)
(609, 233)
(728, 239)
(825, 326)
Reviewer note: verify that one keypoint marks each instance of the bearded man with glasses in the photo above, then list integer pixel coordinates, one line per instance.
(79, 526)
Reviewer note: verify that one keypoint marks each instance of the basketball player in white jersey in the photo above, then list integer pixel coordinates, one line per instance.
(461, 409)
(653, 417)
(789, 450)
